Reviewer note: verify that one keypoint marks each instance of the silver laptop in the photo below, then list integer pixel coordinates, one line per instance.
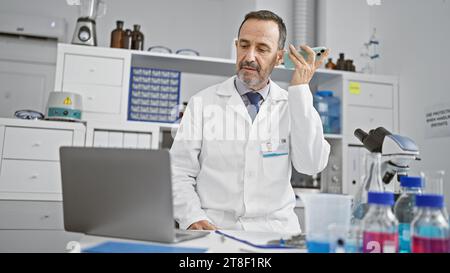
(124, 193)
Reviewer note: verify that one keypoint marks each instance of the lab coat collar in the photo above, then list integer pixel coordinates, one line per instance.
(235, 102)
(227, 88)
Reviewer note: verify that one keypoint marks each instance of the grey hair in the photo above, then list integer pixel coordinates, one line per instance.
(267, 15)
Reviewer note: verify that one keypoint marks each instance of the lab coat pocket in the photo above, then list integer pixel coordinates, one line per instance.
(275, 157)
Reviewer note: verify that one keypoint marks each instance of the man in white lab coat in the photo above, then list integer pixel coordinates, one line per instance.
(231, 158)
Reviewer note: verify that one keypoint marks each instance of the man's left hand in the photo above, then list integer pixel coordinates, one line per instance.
(304, 69)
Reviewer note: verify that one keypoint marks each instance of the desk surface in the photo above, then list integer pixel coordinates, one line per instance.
(214, 242)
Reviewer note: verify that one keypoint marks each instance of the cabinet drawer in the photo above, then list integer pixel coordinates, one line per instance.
(97, 98)
(31, 215)
(30, 176)
(367, 118)
(92, 70)
(373, 95)
(33, 143)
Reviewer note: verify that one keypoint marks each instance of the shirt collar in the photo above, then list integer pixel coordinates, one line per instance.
(243, 89)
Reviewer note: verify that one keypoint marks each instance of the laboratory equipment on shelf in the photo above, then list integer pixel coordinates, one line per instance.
(64, 106)
(379, 226)
(404, 209)
(118, 36)
(430, 229)
(397, 151)
(85, 30)
(370, 53)
(329, 109)
(137, 38)
(28, 114)
(181, 51)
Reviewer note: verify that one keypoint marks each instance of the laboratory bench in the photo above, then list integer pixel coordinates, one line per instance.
(211, 243)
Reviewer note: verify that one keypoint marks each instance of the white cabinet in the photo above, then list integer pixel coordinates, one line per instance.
(367, 118)
(100, 76)
(93, 70)
(31, 215)
(372, 94)
(27, 73)
(136, 135)
(29, 165)
(35, 143)
(30, 176)
(30, 184)
(367, 102)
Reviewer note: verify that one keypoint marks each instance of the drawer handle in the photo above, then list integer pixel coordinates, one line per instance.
(92, 70)
(35, 176)
(36, 144)
(90, 98)
(45, 217)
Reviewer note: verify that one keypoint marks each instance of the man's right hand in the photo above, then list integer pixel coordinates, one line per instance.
(202, 225)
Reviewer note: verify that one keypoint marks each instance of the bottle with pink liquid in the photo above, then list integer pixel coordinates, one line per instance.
(380, 227)
(430, 229)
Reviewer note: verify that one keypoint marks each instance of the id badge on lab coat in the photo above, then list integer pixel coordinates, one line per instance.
(275, 147)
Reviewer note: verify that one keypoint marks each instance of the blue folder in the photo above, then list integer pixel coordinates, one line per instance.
(120, 247)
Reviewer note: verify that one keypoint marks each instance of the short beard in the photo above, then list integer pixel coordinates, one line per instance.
(250, 82)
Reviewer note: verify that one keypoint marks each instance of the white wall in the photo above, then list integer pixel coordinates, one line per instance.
(344, 27)
(208, 26)
(415, 39)
(205, 25)
(282, 8)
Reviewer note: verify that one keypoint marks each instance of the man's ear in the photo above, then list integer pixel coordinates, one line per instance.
(280, 54)
(236, 43)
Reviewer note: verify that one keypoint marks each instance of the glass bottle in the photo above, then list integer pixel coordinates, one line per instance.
(434, 184)
(405, 209)
(118, 35)
(137, 38)
(127, 39)
(380, 227)
(430, 229)
(371, 182)
(349, 66)
(330, 64)
(340, 64)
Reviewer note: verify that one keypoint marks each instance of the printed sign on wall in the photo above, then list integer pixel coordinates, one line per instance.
(437, 121)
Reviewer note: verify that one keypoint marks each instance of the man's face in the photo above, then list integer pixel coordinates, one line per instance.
(257, 52)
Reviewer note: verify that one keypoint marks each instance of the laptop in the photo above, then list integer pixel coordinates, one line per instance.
(125, 193)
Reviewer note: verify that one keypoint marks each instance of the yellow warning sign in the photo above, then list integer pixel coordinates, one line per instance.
(67, 101)
(354, 88)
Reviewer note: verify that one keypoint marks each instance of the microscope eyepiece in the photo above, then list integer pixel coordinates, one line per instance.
(360, 134)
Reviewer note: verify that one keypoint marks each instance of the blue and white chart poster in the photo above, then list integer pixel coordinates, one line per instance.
(154, 95)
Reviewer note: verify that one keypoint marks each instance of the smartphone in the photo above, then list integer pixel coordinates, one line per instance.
(318, 50)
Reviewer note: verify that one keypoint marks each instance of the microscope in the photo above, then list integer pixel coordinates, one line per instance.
(397, 152)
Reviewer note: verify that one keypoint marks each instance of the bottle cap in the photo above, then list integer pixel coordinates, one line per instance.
(381, 198)
(430, 200)
(324, 93)
(411, 181)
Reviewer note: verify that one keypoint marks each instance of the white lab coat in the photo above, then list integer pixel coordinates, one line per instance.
(230, 182)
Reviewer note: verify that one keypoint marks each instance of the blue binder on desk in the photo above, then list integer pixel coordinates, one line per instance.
(121, 247)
